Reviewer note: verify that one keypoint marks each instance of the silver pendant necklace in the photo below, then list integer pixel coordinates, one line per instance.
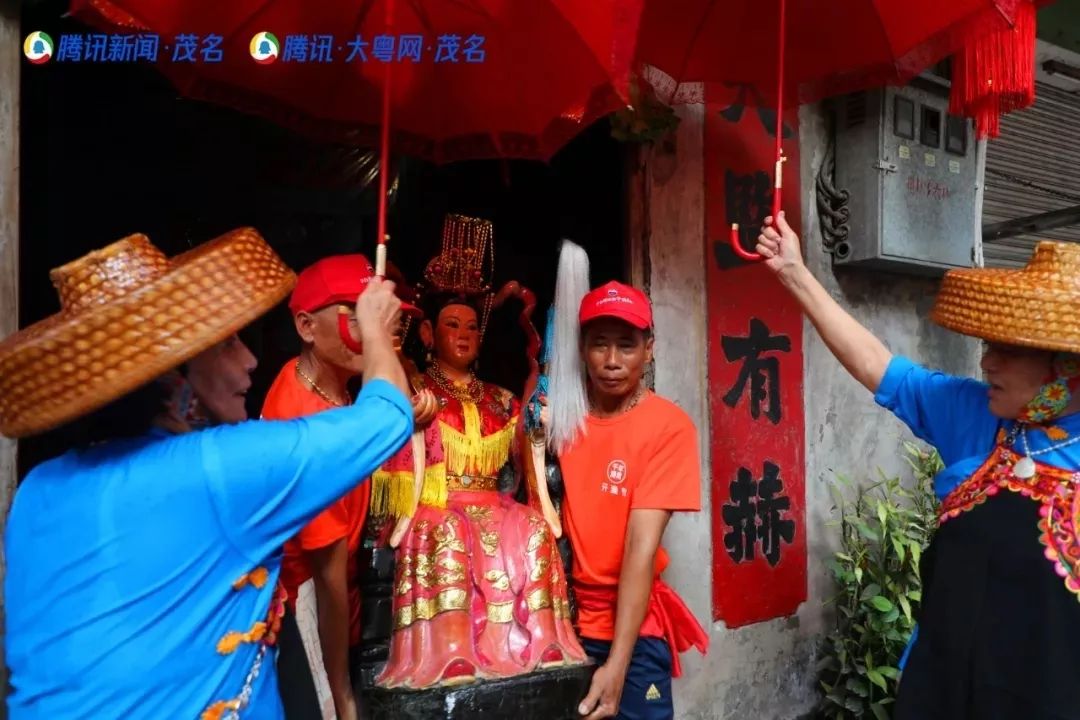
(1025, 466)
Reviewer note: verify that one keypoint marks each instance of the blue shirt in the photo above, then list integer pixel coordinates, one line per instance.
(953, 415)
(122, 558)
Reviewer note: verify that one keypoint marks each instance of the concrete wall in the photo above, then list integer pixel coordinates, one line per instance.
(10, 62)
(767, 670)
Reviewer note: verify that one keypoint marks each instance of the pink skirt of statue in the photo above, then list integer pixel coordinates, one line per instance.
(479, 592)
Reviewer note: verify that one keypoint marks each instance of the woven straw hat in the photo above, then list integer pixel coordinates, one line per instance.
(1036, 306)
(128, 315)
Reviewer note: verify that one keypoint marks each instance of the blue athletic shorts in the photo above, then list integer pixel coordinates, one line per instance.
(647, 692)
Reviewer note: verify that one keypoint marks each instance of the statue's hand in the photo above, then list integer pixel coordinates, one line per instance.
(425, 407)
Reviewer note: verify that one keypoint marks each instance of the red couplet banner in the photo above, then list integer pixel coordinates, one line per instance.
(755, 371)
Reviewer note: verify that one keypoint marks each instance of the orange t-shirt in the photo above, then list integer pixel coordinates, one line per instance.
(288, 398)
(646, 458)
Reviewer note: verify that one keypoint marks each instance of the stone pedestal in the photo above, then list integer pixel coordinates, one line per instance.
(546, 695)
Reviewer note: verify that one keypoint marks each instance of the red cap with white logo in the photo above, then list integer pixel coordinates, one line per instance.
(619, 301)
(332, 280)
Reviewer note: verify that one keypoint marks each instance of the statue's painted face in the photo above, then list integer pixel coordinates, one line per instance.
(457, 336)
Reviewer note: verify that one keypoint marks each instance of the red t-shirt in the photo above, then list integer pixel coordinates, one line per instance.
(288, 398)
(646, 458)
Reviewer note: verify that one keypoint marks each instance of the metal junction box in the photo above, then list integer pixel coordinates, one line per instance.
(910, 169)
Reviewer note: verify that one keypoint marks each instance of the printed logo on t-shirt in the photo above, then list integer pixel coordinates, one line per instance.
(616, 471)
(616, 476)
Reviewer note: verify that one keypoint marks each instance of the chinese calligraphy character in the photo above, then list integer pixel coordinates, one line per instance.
(756, 513)
(357, 47)
(146, 47)
(322, 48)
(762, 373)
(749, 201)
(383, 48)
(121, 48)
(771, 505)
(411, 47)
(733, 113)
(211, 49)
(740, 515)
(97, 48)
(474, 50)
(448, 48)
(296, 49)
(71, 48)
(185, 48)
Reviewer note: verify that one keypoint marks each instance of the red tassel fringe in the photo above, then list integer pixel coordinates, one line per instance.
(995, 74)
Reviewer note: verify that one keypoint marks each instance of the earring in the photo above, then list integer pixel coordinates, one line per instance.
(427, 357)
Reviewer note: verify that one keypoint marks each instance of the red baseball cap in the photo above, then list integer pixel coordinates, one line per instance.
(332, 280)
(619, 301)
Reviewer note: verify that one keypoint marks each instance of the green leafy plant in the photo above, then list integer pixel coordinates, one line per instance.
(884, 527)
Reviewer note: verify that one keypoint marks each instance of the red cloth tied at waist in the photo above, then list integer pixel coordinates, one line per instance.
(667, 617)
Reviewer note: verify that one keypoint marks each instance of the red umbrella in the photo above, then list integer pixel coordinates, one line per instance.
(835, 47)
(440, 79)
(495, 78)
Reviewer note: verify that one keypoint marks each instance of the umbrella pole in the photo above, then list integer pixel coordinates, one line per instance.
(778, 169)
(384, 157)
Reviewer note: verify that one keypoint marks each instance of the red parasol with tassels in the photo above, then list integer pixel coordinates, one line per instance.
(995, 73)
(439, 79)
(842, 46)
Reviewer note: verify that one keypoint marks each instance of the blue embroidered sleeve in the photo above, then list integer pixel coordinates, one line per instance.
(948, 412)
(267, 479)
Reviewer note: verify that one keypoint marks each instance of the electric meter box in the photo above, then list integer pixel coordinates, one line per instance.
(910, 168)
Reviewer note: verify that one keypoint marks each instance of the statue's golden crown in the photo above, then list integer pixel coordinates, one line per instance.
(466, 262)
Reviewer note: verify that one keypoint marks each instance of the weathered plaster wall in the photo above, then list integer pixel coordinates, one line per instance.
(767, 670)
